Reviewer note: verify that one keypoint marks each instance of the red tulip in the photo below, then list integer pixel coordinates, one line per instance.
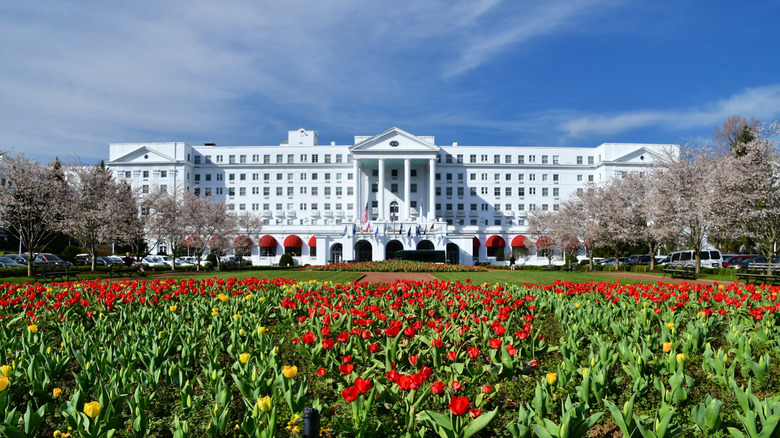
(321, 372)
(452, 355)
(350, 394)
(362, 385)
(346, 359)
(474, 413)
(393, 375)
(459, 405)
(473, 352)
(437, 387)
(373, 348)
(308, 338)
(346, 369)
(425, 372)
(404, 382)
(409, 332)
(511, 350)
(413, 360)
(486, 389)
(457, 386)
(328, 343)
(495, 343)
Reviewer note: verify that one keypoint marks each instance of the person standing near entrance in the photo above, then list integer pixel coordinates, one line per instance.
(512, 263)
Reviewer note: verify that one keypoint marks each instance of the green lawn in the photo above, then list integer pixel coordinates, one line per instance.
(499, 276)
(535, 277)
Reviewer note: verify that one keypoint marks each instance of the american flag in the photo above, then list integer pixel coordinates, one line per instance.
(365, 215)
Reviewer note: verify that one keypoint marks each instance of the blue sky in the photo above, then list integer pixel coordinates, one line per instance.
(78, 75)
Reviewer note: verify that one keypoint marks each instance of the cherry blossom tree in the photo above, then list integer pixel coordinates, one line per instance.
(749, 190)
(542, 226)
(685, 194)
(99, 209)
(205, 219)
(247, 229)
(31, 202)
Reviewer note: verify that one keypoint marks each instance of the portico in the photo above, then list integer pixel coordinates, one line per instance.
(376, 157)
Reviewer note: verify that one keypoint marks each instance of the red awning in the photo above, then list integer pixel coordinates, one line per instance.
(312, 241)
(518, 241)
(495, 242)
(268, 242)
(475, 242)
(293, 240)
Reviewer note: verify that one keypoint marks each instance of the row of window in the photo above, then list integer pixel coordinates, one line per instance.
(341, 158)
(497, 207)
(521, 159)
(280, 159)
(508, 191)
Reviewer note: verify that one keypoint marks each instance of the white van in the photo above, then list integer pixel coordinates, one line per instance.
(709, 258)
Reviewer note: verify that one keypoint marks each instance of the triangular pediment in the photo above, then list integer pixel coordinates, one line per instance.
(145, 155)
(395, 140)
(637, 156)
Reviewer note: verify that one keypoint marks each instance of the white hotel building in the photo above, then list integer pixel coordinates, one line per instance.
(384, 193)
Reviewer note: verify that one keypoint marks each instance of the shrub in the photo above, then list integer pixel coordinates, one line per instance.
(70, 252)
(212, 258)
(286, 260)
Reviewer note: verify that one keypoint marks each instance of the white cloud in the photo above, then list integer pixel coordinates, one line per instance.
(759, 102)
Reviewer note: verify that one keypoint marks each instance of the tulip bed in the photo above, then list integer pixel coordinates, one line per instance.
(452, 359)
(396, 266)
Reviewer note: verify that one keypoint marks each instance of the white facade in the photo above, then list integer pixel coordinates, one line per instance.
(384, 193)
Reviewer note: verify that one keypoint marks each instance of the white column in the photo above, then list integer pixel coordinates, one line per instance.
(407, 189)
(381, 193)
(358, 185)
(431, 190)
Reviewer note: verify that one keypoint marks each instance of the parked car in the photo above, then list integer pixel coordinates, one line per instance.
(193, 260)
(8, 262)
(709, 258)
(745, 263)
(18, 258)
(611, 261)
(151, 261)
(661, 259)
(83, 260)
(639, 259)
(109, 261)
(48, 259)
(233, 261)
(729, 262)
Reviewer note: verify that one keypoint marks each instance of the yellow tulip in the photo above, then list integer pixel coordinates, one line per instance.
(4, 382)
(6, 370)
(290, 371)
(173, 309)
(92, 409)
(56, 392)
(667, 347)
(262, 299)
(241, 332)
(222, 297)
(585, 372)
(248, 297)
(577, 305)
(670, 325)
(552, 378)
(680, 357)
(264, 403)
(32, 328)
(244, 357)
(261, 330)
